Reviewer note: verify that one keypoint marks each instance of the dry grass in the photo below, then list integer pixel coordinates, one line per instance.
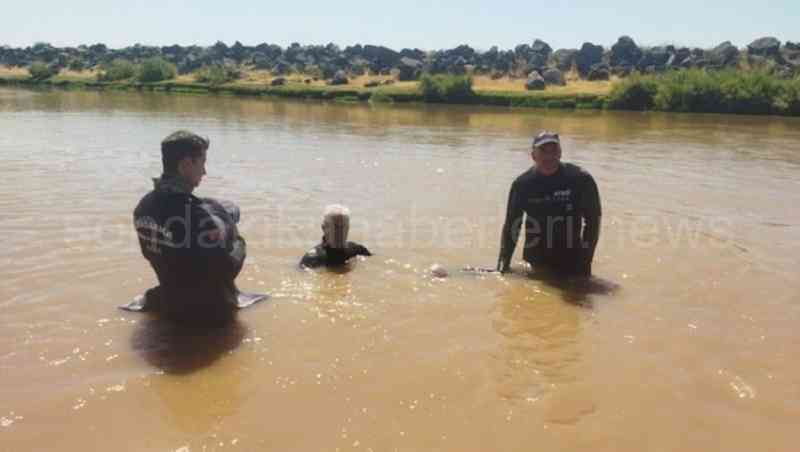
(260, 78)
(573, 86)
(7, 71)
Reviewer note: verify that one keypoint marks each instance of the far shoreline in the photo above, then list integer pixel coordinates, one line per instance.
(387, 94)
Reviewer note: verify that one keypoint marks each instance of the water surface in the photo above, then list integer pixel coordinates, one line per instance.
(695, 349)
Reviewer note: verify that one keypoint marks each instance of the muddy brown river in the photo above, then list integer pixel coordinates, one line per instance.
(688, 340)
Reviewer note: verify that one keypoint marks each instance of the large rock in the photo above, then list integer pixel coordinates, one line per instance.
(768, 47)
(281, 67)
(565, 58)
(625, 52)
(340, 78)
(656, 57)
(588, 56)
(535, 82)
(693, 61)
(680, 55)
(553, 76)
(409, 68)
(278, 81)
(725, 54)
(599, 71)
(540, 54)
(542, 48)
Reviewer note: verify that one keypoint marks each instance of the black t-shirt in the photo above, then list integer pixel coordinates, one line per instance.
(196, 252)
(556, 209)
(322, 255)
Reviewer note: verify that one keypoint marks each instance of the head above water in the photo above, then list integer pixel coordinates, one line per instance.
(335, 226)
(546, 152)
(184, 153)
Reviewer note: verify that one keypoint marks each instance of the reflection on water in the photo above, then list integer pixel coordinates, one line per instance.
(542, 336)
(177, 349)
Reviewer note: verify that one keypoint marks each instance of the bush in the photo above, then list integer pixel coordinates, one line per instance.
(633, 93)
(218, 74)
(446, 88)
(76, 64)
(41, 71)
(696, 90)
(156, 69)
(118, 70)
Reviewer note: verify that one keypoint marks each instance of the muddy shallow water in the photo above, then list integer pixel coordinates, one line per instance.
(687, 342)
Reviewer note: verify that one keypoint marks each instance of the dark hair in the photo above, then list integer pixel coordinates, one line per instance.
(179, 145)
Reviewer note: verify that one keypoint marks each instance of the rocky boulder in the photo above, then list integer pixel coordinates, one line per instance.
(625, 52)
(679, 56)
(768, 47)
(278, 81)
(372, 84)
(790, 54)
(535, 82)
(542, 48)
(656, 57)
(725, 54)
(409, 68)
(599, 71)
(340, 78)
(588, 56)
(565, 58)
(553, 76)
(281, 67)
(540, 53)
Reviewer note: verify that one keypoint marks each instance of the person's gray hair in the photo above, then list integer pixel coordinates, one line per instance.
(333, 211)
(336, 225)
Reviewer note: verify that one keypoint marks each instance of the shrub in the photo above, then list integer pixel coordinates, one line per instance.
(218, 74)
(633, 93)
(156, 69)
(76, 64)
(118, 70)
(696, 90)
(41, 71)
(446, 88)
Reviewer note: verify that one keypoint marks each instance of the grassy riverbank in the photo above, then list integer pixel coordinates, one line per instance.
(501, 92)
(695, 90)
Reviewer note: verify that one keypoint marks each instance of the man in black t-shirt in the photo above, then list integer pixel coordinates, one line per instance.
(561, 206)
(191, 243)
(334, 250)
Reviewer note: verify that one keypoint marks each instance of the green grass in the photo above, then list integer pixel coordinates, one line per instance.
(696, 90)
(441, 88)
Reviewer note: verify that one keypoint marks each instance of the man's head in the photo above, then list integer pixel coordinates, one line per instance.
(336, 225)
(546, 152)
(184, 153)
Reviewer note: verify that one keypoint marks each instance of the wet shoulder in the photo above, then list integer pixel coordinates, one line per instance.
(314, 257)
(157, 203)
(357, 249)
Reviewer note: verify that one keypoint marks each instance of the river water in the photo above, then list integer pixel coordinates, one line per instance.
(686, 340)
